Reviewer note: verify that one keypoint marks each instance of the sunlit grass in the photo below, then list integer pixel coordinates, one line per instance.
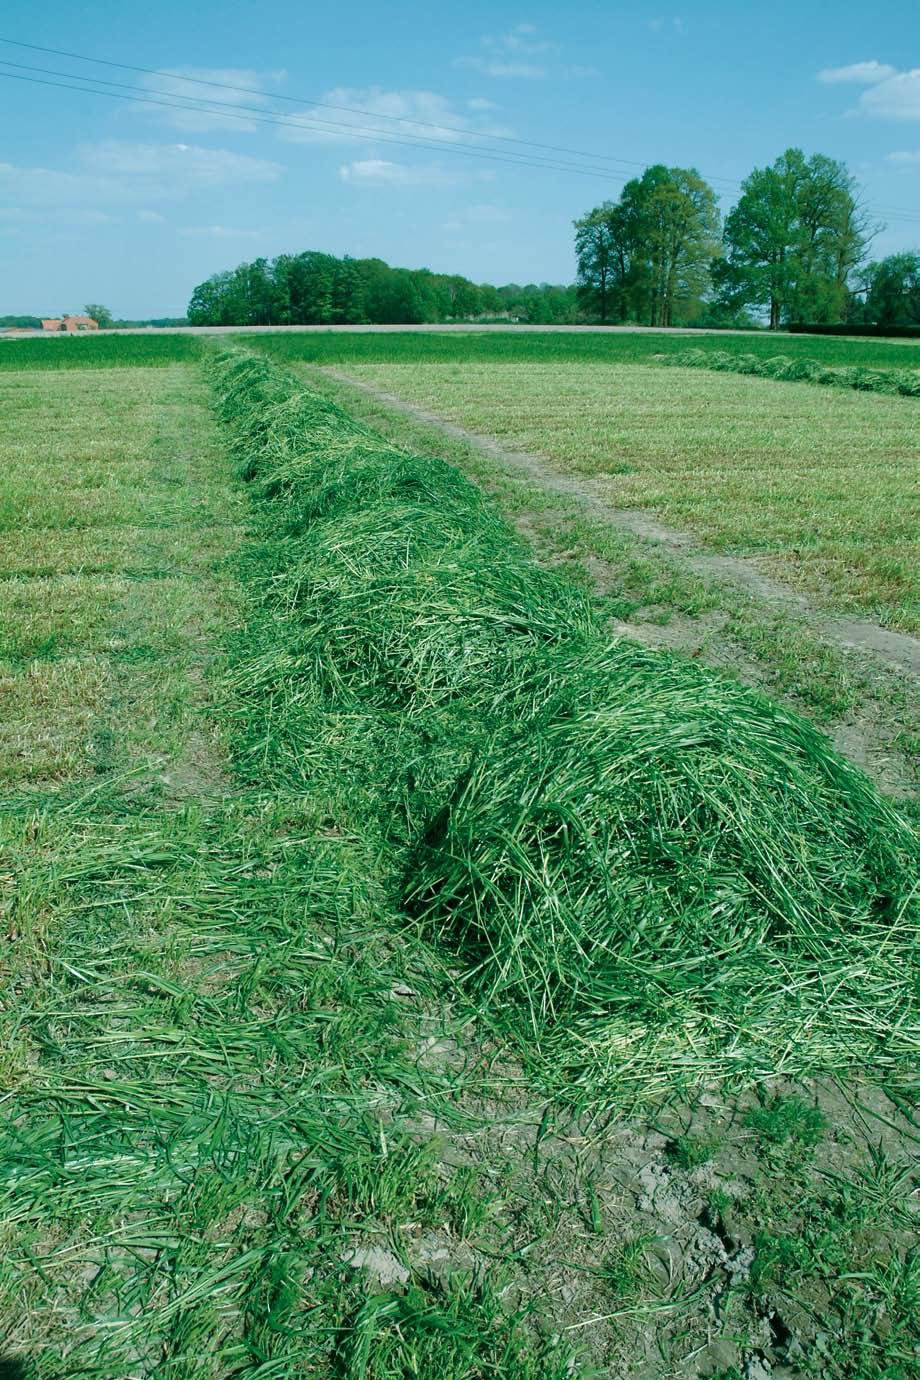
(251, 1124)
(211, 1031)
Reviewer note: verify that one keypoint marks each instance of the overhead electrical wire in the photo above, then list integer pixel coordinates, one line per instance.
(473, 148)
(258, 115)
(327, 105)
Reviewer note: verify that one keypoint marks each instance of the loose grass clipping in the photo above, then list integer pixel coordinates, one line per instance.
(623, 849)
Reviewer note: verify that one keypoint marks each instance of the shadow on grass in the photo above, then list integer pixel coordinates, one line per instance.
(13, 1369)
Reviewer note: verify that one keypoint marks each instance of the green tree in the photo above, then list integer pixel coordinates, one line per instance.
(207, 306)
(101, 315)
(892, 291)
(598, 256)
(793, 240)
(348, 294)
(647, 256)
(312, 288)
(673, 224)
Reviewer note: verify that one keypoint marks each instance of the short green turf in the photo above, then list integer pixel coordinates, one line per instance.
(212, 1036)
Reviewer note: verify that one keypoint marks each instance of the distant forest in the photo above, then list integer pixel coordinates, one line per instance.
(318, 289)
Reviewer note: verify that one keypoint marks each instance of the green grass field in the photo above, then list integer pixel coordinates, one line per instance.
(99, 352)
(270, 1106)
(458, 347)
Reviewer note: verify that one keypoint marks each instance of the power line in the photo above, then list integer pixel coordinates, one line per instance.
(326, 105)
(255, 114)
(232, 110)
(210, 106)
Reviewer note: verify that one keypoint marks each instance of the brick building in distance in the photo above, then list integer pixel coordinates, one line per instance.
(71, 323)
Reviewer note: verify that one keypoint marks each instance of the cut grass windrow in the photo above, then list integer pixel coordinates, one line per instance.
(220, 1071)
(788, 369)
(642, 868)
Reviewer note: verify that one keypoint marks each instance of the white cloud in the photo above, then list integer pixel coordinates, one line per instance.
(480, 103)
(89, 216)
(394, 114)
(119, 173)
(905, 158)
(494, 67)
(896, 98)
(889, 94)
(860, 73)
(150, 217)
(379, 172)
(521, 39)
(192, 84)
(510, 55)
(41, 186)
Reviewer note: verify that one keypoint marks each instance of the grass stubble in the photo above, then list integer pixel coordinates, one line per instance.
(245, 1092)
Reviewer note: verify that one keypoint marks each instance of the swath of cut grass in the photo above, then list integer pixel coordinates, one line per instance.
(642, 866)
(657, 849)
(211, 1080)
(791, 369)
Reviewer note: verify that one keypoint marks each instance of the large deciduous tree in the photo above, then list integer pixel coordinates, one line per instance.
(793, 240)
(647, 256)
(595, 254)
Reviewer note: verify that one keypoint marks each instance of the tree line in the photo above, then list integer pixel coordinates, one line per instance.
(793, 249)
(319, 289)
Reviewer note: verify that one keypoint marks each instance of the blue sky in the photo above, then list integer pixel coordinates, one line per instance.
(104, 199)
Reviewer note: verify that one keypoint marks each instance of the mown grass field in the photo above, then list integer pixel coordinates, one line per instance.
(283, 709)
(821, 484)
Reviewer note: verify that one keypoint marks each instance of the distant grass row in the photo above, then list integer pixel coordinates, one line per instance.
(624, 851)
(788, 369)
(818, 483)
